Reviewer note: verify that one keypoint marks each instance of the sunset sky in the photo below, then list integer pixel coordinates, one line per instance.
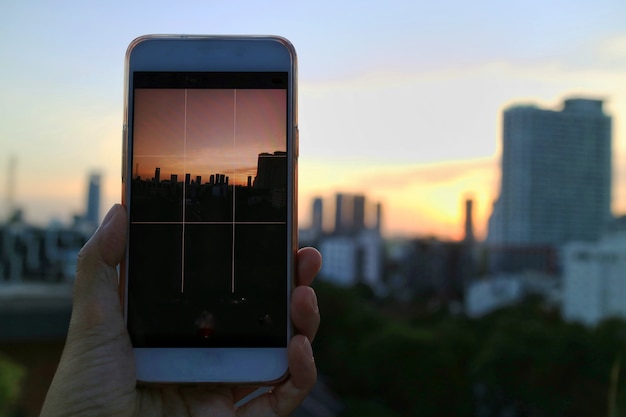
(398, 100)
(207, 131)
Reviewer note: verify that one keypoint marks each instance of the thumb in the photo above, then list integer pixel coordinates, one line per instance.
(96, 296)
(96, 370)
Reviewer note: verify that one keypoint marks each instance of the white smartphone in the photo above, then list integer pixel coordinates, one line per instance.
(210, 185)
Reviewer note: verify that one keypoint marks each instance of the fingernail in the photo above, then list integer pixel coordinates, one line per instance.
(306, 347)
(109, 215)
(313, 301)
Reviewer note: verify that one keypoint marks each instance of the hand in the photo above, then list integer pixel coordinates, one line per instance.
(96, 374)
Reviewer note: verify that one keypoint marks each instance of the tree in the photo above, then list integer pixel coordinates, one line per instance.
(11, 377)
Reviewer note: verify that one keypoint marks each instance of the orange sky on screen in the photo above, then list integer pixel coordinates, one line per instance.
(206, 131)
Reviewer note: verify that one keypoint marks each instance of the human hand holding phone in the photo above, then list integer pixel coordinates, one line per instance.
(96, 374)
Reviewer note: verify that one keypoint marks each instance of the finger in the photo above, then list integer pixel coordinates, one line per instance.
(305, 313)
(207, 400)
(309, 264)
(285, 398)
(96, 286)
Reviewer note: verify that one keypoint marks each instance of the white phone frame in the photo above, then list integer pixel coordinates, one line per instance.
(214, 53)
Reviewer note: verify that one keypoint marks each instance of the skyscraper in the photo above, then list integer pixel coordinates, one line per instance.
(556, 175)
(359, 212)
(318, 215)
(469, 224)
(93, 200)
(343, 212)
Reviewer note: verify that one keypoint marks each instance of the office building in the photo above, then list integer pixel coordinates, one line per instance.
(92, 216)
(469, 224)
(318, 216)
(271, 171)
(353, 253)
(349, 213)
(556, 177)
(594, 280)
(352, 259)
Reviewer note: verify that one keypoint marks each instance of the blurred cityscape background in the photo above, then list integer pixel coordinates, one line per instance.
(462, 171)
(553, 249)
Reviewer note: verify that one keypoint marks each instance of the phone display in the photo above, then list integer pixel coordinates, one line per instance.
(210, 189)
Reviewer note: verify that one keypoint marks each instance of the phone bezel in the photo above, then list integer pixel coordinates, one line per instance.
(224, 54)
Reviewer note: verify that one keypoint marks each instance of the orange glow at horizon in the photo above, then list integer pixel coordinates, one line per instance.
(204, 132)
(417, 200)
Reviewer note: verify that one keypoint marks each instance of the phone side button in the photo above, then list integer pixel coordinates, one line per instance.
(124, 143)
(297, 141)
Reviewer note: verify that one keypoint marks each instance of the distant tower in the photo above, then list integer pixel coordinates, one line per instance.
(379, 215)
(344, 213)
(157, 175)
(93, 199)
(469, 224)
(359, 212)
(317, 216)
(349, 213)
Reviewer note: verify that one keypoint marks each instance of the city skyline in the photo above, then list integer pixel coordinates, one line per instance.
(203, 131)
(406, 113)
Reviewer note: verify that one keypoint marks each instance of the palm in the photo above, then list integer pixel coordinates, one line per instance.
(96, 375)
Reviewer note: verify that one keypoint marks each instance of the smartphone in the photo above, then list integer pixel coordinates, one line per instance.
(210, 185)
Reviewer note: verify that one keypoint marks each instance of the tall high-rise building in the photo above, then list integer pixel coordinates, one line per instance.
(353, 252)
(469, 224)
(556, 175)
(359, 212)
(349, 213)
(318, 216)
(93, 200)
(343, 212)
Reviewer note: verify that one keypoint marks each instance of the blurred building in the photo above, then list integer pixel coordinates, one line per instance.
(317, 225)
(92, 215)
(434, 268)
(594, 280)
(485, 296)
(353, 252)
(556, 181)
(495, 292)
(34, 254)
(349, 260)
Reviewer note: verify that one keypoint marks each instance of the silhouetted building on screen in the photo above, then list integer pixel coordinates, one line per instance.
(271, 171)
(556, 181)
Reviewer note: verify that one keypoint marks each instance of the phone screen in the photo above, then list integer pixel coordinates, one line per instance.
(208, 238)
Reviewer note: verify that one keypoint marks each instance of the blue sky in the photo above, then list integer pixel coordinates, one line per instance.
(409, 92)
